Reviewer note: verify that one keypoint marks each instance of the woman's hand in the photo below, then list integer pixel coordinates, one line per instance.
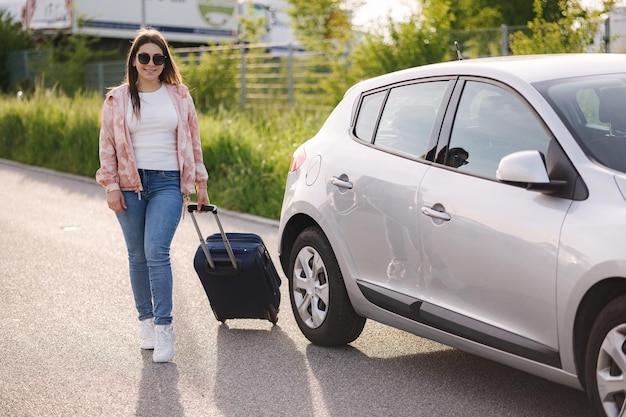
(203, 198)
(116, 202)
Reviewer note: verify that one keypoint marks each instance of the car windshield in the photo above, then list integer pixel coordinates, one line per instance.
(594, 110)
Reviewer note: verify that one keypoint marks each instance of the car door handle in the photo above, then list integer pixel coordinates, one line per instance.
(440, 215)
(341, 182)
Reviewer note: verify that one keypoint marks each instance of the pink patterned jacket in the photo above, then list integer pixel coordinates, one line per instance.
(118, 169)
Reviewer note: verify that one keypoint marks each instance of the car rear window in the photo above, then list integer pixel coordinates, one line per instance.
(407, 116)
(368, 115)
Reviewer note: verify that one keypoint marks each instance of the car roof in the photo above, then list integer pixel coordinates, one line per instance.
(529, 68)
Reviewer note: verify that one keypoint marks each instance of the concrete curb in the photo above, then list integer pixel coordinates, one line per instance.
(87, 180)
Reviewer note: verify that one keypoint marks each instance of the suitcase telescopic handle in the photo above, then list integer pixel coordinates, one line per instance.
(212, 208)
(205, 207)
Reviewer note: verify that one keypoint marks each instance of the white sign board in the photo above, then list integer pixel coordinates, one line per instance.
(203, 21)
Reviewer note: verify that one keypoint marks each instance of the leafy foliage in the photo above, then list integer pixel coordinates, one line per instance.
(423, 39)
(247, 153)
(51, 130)
(212, 79)
(318, 21)
(12, 38)
(66, 64)
(572, 31)
(251, 28)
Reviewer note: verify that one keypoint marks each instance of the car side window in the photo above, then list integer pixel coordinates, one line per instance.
(368, 115)
(490, 123)
(408, 118)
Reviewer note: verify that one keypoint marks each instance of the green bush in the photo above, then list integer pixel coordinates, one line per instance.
(247, 154)
(52, 131)
(212, 79)
(12, 38)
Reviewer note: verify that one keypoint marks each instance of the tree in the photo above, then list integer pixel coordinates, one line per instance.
(64, 67)
(251, 27)
(423, 39)
(478, 22)
(212, 79)
(472, 14)
(12, 38)
(316, 22)
(573, 29)
(323, 28)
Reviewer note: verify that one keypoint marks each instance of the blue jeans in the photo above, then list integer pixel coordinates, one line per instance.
(148, 226)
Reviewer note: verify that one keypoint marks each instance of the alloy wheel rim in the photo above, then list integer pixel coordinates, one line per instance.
(310, 287)
(611, 371)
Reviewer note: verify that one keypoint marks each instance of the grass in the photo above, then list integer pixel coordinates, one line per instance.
(247, 153)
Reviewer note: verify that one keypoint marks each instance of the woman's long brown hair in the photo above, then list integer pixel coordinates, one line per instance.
(170, 73)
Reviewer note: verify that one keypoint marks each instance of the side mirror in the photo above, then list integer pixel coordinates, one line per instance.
(527, 169)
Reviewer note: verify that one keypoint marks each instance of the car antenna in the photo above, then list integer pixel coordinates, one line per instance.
(458, 51)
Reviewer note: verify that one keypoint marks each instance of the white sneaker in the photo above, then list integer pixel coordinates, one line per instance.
(146, 332)
(164, 343)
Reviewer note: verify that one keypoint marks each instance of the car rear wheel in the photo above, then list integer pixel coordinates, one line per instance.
(605, 365)
(318, 294)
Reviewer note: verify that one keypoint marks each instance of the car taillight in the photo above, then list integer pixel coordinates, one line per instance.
(297, 159)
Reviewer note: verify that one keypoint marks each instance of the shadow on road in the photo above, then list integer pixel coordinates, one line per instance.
(260, 373)
(158, 390)
(447, 382)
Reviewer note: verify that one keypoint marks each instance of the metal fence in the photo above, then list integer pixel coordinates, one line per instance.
(267, 74)
(280, 74)
(100, 76)
(25, 66)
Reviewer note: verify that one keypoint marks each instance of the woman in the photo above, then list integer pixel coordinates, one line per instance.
(150, 162)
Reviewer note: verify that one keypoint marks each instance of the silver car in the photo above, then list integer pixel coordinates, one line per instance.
(477, 203)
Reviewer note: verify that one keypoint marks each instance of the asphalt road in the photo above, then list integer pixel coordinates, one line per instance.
(69, 344)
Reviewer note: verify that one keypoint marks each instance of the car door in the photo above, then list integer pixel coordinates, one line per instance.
(374, 186)
(489, 249)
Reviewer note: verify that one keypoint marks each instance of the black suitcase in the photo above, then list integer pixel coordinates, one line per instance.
(237, 273)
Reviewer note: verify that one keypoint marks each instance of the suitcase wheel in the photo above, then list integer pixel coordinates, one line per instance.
(271, 313)
(217, 317)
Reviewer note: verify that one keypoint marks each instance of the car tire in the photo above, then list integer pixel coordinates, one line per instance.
(605, 363)
(318, 294)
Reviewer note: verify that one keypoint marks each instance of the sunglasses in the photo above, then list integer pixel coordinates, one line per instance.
(158, 59)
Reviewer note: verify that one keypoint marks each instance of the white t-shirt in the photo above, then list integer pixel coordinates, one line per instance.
(154, 134)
